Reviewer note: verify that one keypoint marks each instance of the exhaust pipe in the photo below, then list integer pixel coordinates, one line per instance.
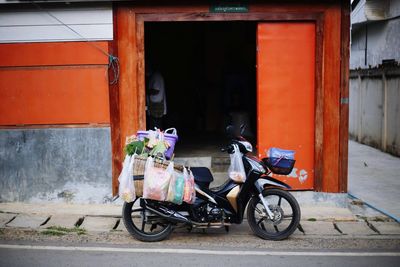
(165, 213)
(176, 217)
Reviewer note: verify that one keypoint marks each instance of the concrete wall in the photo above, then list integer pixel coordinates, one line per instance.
(374, 116)
(55, 164)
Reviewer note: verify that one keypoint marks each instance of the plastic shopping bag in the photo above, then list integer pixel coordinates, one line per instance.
(189, 192)
(176, 187)
(126, 188)
(236, 169)
(156, 181)
(275, 152)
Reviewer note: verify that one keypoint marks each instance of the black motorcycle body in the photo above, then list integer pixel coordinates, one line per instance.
(266, 199)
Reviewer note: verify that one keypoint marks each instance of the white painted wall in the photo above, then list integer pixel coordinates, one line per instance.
(93, 22)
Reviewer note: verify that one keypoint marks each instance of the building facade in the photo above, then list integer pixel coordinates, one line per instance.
(64, 119)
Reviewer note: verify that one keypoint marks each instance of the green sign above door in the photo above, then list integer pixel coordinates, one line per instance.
(227, 6)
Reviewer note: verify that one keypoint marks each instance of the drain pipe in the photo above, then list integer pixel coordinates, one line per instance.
(397, 219)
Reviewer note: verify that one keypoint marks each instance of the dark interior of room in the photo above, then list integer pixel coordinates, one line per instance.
(209, 70)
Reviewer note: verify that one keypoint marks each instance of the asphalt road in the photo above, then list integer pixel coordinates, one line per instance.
(58, 255)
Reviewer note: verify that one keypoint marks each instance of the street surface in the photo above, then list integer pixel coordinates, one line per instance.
(42, 254)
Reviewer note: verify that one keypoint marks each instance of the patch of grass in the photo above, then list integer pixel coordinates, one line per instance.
(311, 219)
(59, 231)
(53, 232)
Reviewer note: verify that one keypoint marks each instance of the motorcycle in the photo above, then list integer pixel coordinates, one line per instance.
(272, 212)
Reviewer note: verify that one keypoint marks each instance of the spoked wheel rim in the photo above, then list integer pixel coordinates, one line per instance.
(142, 222)
(285, 219)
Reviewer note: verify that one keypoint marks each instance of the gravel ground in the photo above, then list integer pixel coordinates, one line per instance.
(201, 240)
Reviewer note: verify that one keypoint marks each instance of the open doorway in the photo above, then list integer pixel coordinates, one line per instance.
(209, 71)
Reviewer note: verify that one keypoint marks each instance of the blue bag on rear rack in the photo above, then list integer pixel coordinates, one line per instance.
(280, 161)
(277, 154)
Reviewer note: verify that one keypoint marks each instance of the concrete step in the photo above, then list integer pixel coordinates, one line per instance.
(194, 161)
(355, 228)
(214, 163)
(60, 220)
(5, 218)
(32, 221)
(99, 224)
(220, 164)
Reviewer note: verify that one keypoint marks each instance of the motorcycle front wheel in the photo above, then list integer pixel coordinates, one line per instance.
(143, 224)
(285, 219)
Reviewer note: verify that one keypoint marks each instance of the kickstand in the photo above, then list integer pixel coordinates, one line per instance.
(227, 228)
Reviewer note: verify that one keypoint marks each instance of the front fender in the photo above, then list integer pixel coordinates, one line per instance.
(261, 183)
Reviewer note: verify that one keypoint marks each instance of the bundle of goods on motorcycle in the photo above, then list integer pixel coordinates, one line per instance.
(152, 143)
(153, 176)
(280, 161)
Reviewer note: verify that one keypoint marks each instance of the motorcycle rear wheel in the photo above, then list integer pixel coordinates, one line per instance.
(144, 225)
(286, 217)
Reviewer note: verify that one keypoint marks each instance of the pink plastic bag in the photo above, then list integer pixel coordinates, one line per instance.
(156, 181)
(189, 192)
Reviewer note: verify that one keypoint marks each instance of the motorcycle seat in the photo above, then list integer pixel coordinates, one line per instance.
(202, 176)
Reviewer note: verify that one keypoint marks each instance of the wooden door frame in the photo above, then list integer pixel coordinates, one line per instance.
(332, 54)
(316, 17)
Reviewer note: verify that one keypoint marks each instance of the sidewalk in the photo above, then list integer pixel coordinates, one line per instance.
(317, 221)
(374, 177)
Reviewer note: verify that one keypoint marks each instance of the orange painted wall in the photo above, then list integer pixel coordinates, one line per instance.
(53, 83)
(286, 95)
(53, 54)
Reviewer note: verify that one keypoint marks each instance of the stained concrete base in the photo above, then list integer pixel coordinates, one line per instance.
(355, 228)
(5, 218)
(98, 224)
(67, 221)
(28, 221)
